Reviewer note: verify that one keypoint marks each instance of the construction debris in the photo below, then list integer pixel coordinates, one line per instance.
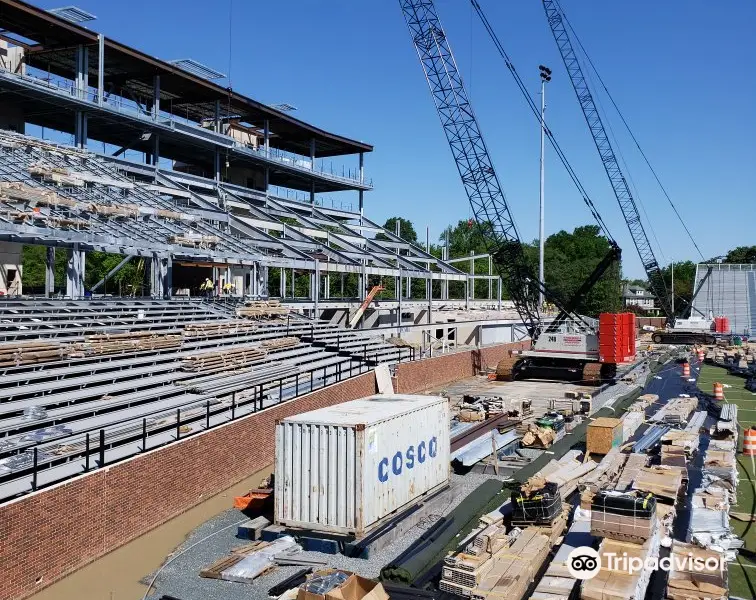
(534, 436)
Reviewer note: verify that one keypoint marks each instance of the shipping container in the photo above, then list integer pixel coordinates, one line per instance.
(346, 468)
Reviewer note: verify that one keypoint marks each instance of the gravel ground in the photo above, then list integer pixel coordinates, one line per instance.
(181, 579)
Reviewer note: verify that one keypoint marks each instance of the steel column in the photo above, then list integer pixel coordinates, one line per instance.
(316, 288)
(49, 271)
(156, 97)
(75, 273)
(100, 69)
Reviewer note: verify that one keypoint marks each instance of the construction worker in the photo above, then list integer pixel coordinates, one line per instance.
(228, 288)
(207, 287)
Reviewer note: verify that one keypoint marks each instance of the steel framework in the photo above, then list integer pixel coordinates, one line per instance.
(608, 158)
(476, 170)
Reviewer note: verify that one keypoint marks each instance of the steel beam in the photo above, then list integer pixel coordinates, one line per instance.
(110, 273)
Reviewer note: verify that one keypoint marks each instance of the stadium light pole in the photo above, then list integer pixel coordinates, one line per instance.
(545, 78)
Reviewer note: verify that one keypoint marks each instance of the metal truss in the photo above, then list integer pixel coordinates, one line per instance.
(608, 158)
(471, 157)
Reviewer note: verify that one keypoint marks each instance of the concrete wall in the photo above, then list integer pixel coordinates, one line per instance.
(12, 59)
(51, 533)
(10, 268)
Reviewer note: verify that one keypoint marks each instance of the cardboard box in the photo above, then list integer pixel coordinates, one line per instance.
(354, 588)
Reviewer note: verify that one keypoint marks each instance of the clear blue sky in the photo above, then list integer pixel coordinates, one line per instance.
(679, 69)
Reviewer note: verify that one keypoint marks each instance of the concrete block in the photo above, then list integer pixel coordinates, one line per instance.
(252, 529)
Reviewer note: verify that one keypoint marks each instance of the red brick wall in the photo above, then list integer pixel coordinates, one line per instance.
(426, 374)
(48, 535)
(653, 321)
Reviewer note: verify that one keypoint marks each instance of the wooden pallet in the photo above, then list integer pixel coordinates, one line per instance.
(214, 570)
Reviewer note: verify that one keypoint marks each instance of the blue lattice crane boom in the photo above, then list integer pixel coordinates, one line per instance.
(608, 158)
(473, 162)
(569, 346)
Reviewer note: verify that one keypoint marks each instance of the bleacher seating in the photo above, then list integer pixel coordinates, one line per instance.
(54, 405)
(729, 291)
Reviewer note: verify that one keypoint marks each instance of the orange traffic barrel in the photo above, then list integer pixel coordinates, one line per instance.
(701, 355)
(749, 442)
(686, 370)
(718, 391)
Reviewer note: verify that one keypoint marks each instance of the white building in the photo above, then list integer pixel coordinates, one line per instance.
(636, 295)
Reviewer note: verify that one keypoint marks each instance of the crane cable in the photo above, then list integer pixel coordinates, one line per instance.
(536, 112)
(626, 170)
(627, 126)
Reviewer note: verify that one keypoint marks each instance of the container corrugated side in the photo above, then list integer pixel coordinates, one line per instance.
(347, 478)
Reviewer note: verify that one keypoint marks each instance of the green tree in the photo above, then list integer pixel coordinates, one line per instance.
(742, 255)
(685, 275)
(406, 229)
(570, 258)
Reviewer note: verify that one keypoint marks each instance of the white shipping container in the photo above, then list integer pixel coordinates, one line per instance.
(345, 468)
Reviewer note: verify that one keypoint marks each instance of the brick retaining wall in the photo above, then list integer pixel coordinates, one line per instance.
(49, 534)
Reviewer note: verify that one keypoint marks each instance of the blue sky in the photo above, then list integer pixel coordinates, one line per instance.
(679, 69)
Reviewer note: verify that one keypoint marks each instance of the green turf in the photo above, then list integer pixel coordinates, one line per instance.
(742, 572)
(736, 393)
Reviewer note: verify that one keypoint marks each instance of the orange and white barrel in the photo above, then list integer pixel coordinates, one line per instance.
(718, 391)
(701, 354)
(686, 370)
(749, 442)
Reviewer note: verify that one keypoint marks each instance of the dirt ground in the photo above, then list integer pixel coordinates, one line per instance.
(116, 576)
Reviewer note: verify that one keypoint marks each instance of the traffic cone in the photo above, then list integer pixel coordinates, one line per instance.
(718, 391)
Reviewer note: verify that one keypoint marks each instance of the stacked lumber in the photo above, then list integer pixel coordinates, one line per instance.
(611, 583)
(256, 309)
(514, 568)
(565, 473)
(686, 583)
(278, 343)
(635, 462)
(95, 345)
(169, 214)
(662, 481)
(107, 210)
(49, 220)
(57, 175)
(223, 360)
(604, 476)
(17, 191)
(677, 410)
(195, 240)
(218, 328)
(14, 354)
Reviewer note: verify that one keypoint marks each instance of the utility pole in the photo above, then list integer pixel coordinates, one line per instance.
(673, 288)
(545, 78)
